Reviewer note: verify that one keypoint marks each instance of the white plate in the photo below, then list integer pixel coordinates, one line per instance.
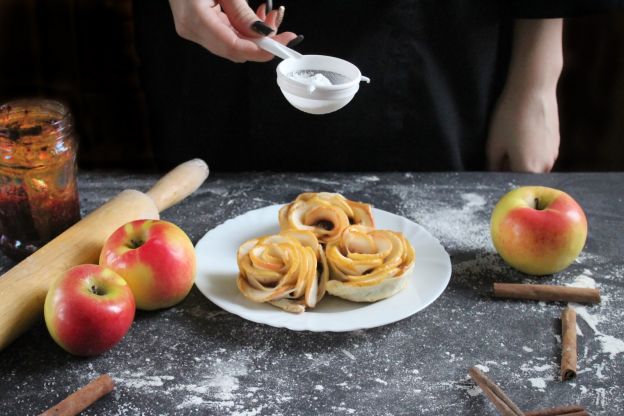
(217, 272)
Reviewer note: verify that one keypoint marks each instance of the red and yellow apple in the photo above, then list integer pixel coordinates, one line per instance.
(89, 309)
(538, 230)
(156, 258)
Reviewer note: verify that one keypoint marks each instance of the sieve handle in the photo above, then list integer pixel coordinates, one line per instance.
(276, 48)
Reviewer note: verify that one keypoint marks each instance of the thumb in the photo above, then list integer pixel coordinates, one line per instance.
(243, 19)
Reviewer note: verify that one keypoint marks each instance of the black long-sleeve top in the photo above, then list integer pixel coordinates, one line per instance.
(437, 68)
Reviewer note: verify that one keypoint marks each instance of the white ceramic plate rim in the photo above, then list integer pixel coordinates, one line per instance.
(217, 272)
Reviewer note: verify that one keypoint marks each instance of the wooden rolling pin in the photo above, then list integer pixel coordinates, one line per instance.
(24, 287)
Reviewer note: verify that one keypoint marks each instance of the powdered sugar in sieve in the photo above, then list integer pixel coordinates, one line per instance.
(318, 77)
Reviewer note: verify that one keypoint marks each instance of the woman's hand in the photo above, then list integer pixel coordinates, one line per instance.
(224, 27)
(524, 128)
(524, 132)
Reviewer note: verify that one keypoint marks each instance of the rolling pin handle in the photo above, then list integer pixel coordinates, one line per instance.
(179, 183)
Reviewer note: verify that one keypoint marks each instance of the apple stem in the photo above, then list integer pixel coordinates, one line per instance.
(96, 290)
(136, 243)
(537, 203)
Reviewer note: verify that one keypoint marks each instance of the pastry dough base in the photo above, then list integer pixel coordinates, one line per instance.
(373, 293)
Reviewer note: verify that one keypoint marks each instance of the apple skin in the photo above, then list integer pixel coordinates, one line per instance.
(156, 258)
(89, 309)
(538, 241)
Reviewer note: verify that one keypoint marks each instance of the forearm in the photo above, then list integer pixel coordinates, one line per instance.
(524, 128)
(536, 56)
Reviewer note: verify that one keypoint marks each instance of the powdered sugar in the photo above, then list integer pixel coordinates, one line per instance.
(611, 345)
(190, 401)
(483, 368)
(216, 389)
(460, 226)
(583, 280)
(140, 380)
(538, 383)
(310, 78)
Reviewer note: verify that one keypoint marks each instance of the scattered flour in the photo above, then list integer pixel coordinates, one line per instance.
(538, 383)
(538, 374)
(140, 381)
(600, 397)
(583, 280)
(544, 367)
(600, 319)
(455, 227)
(609, 344)
(483, 368)
(348, 354)
(319, 180)
(369, 178)
(475, 391)
(342, 409)
(217, 389)
(251, 412)
(190, 401)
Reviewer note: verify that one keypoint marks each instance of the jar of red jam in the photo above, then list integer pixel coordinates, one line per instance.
(38, 193)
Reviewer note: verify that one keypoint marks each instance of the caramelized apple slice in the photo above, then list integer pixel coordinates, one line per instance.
(367, 265)
(325, 214)
(288, 270)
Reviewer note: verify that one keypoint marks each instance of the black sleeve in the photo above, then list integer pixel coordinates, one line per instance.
(536, 9)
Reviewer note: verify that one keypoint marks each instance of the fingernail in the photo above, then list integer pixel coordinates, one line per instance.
(268, 6)
(296, 41)
(261, 28)
(280, 16)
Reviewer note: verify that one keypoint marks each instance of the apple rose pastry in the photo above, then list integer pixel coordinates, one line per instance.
(325, 214)
(288, 270)
(367, 265)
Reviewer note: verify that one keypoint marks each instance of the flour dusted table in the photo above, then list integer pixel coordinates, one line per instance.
(197, 359)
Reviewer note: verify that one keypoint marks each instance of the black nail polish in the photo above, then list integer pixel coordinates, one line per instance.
(262, 28)
(296, 41)
(268, 6)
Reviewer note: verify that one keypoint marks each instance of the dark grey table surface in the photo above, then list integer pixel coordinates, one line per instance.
(197, 359)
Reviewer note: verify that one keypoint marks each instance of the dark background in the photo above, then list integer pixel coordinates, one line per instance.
(83, 53)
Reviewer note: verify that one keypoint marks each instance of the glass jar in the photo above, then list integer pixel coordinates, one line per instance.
(38, 193)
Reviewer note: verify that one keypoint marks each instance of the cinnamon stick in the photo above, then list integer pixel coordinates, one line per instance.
(82, 398)
(568, 344)
(549, 293)
(579, 413)
(560, 411)
(503, 403)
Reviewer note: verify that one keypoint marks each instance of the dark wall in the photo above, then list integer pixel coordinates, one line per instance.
(83, 52)
(591, 94)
